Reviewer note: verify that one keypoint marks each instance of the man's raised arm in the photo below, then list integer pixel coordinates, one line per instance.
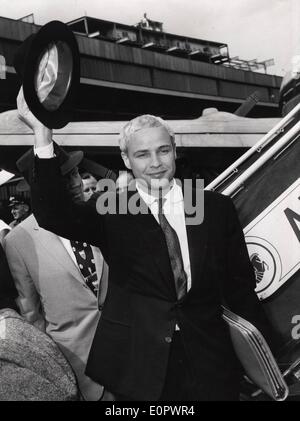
(51, 204)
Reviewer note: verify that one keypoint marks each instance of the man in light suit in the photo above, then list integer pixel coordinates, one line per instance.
(53, 294)
(161, 335)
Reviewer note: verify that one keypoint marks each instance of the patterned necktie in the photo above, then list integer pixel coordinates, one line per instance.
(174, 252)
(86, 263)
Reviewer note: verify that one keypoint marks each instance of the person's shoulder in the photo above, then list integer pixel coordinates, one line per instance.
(29, 222)
(219, 206)
(217, 198)
(210, 198)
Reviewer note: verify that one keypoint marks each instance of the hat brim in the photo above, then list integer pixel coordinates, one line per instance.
(97, 170)
(73, 161)
(54, 31)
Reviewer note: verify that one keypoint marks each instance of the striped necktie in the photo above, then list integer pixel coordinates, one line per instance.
(174, 250)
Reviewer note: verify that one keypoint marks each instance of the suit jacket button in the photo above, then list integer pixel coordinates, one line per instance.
(168, 339)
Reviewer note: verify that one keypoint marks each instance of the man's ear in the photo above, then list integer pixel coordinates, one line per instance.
(126, 160)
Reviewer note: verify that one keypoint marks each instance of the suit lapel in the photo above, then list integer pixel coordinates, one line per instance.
(102, 274)
(98, 261)
(53, 246)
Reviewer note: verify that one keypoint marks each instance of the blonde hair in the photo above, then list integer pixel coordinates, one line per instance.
(142, 122)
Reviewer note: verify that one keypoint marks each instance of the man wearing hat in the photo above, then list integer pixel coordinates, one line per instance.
(20, 209)
(58, 280)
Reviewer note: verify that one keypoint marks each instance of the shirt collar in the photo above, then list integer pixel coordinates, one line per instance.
(173, 196)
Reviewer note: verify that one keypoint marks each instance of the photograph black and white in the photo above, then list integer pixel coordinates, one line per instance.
(149, 203)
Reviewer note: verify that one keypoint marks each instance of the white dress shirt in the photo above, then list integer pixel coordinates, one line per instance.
(44, 152)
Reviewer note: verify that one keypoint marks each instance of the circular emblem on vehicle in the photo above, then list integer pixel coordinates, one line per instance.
(266, 263)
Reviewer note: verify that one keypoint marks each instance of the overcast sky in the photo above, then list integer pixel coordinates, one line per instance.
(261, 29)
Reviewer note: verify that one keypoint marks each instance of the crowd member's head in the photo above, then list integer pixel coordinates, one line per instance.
(89, 183)
(148, 149)
(73, 183)
(20, 208)
(69, 169)
(69, 163)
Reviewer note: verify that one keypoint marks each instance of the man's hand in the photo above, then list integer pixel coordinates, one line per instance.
(25, 114)
(43, 135)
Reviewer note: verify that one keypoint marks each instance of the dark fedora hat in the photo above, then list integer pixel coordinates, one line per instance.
(67, 161)
(48, 65)
(97, 170)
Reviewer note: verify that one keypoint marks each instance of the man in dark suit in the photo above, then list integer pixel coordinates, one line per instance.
(161, 335)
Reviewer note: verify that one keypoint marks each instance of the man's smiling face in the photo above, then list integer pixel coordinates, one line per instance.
(151, 157)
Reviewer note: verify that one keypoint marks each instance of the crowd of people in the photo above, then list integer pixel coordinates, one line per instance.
(32, 259)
